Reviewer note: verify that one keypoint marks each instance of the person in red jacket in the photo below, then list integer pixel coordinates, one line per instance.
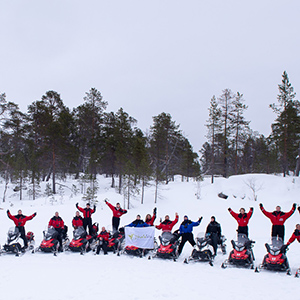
(150, 220)
(87, 217)
(295, 235)
(20, 221)
(278, 218)
(103, 241)
(58, 224)
(242, 219)
(117, 213)
(167, 225)
(77, 220)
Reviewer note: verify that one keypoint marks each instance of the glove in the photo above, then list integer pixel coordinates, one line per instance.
(77, 204)
(260, 205)
(299, 208)
(105, 200)
(34, 214)
(94, 207)
(160, 220)
(252, 208)
(229, 209)
(7, 211)
(294, 205)
(154, 211)
(200, 219)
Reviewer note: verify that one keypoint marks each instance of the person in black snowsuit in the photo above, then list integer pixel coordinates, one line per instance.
(214, 231)
(186, 233)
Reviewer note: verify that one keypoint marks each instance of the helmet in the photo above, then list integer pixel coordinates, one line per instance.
(30, 235)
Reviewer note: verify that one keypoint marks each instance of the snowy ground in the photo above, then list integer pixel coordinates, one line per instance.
(72, 276)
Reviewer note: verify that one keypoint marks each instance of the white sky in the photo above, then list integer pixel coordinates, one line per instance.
(151, 56)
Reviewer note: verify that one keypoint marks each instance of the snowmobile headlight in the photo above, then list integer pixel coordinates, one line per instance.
(274, 252)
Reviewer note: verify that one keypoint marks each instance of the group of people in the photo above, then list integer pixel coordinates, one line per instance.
(185, 230)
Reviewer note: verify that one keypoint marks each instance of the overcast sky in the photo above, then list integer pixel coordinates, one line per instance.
(151, 56)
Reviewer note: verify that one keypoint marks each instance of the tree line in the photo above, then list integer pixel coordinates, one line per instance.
(51, 141)
(233, 148)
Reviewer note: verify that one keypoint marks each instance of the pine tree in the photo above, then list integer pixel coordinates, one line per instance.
(285, 130)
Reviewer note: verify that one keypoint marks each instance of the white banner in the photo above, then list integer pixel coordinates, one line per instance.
(141, 237)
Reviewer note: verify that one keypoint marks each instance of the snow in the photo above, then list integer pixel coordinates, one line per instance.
(73, 276)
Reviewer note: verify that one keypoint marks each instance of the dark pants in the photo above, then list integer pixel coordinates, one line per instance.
(243, 229)
(278, 230)
(115, 223)
(215, 240)
(59, 236)
(87, 222)
(184, 238)
(102, 245)
(23, 235)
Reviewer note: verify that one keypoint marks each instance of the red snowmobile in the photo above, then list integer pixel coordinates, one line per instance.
(242, 254)
(82, 242)
(275, 259)
(168, 248)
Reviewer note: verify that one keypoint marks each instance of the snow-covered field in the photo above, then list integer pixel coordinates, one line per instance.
(73, 276)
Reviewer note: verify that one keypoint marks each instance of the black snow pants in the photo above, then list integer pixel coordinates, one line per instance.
(243, 229)
(23, 235)
(184, 238)
(87, 222)
(115, 223)
(278, 230)
(102, 245)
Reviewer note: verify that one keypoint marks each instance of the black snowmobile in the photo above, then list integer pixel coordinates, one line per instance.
(203, 251)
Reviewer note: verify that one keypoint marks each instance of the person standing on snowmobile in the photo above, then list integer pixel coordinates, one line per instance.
(214, 231)
(117, 213)
(278, 218)
(186, 232)
(167, 225)
(20, 221)
(242, 218)
(150, 220)
(58, 224)
(77, 220)
(87, 217)
(103, 238)
(138, 222)
(295, 235)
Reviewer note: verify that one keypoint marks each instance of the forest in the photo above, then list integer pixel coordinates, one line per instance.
(50, 142)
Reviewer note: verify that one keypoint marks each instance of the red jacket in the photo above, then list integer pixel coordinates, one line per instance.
(116, 212)
(151, 221)
(87, 212)
(277, 218)
(56, 222)
(167, 225)
(104, 235)
(295, 236)
(20, 220)
(77, 222)
(242, 219)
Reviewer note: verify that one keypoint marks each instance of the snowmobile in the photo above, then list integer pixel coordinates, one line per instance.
(15, 243)
(203, 251)
(81, 242)
(115, 242)
(275, 259)
(242, 254)
(50, 242)
(168, 248)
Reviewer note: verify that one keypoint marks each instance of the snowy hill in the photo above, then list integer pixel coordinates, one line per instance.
(72, 276)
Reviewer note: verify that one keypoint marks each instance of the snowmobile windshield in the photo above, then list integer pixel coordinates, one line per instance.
(12, 234)
(275, 245)
(79, 233)
(166, 237)
(50, 233)
(202, 239)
